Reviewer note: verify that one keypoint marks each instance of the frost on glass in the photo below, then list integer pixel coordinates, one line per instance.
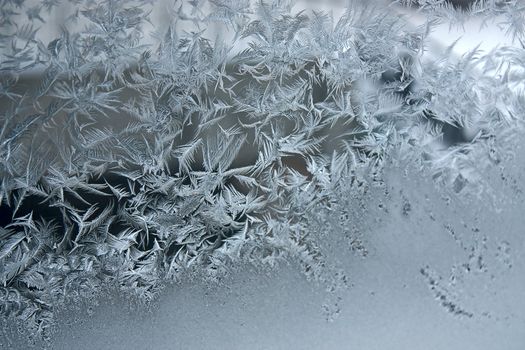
(143, 143)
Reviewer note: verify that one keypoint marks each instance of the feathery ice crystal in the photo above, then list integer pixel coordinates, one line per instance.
(242, 131)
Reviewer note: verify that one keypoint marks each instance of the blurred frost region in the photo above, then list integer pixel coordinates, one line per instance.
(261, 174)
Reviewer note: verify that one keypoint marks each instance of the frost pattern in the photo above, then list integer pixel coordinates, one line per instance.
(132, 162)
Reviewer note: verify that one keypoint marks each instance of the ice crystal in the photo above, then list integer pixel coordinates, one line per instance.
(136, 157)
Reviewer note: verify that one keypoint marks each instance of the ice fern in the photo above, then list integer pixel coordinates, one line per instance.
(129, 156)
